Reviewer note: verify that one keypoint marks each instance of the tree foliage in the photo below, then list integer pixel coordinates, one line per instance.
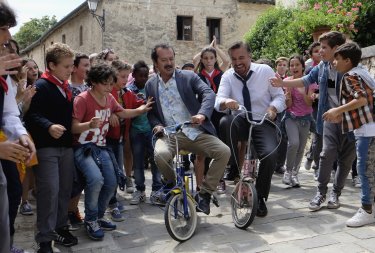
(33, 30)
(282, 32)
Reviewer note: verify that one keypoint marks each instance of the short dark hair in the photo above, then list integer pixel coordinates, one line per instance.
(333, 38)
(78, 57)
(138, 65)
(7, 16)
(312, 46)
(103, 54)
(100, 73)
(154, 55)
(350, 50)
(187, 65)
(239, 44)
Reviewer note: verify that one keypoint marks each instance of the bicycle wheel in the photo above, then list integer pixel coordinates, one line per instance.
(244, 203)
(180, 226)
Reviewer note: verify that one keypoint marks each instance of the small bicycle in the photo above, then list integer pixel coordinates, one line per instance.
(244, 198)
(180, 213)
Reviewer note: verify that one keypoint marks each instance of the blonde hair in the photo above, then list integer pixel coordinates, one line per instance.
(281, 59)
(56, 52)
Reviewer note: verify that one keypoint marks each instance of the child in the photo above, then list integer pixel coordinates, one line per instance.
(356, 113)
(117, 128)
(281, 70)
(49, 122)
(77, 84)
(297, 121)
(141, 142)
(282, 67)
(92, 110)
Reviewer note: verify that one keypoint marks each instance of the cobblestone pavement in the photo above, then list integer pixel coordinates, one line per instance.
(289, 227)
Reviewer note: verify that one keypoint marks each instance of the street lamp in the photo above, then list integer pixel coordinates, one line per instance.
(93, 5)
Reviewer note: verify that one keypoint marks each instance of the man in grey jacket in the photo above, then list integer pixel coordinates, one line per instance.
(176, 95)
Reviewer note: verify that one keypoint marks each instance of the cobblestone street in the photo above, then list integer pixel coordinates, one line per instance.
(289, 227)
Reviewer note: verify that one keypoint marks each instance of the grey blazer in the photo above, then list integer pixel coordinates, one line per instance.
(189, 86)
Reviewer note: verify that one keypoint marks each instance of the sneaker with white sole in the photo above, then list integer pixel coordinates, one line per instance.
(25, 209)
(221, 188)
(361, 218)
(317, 201)
(93, 230)
(286, 178)
(129, 185)
(137, 198)
(333, 202)
(157, 198)
(356, 182)
(294, 181)
(116, 215)
(106, 224)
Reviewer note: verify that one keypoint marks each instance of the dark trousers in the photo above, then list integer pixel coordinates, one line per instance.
(264, 139)
(14, 190)
(283, 147)
(4, 214)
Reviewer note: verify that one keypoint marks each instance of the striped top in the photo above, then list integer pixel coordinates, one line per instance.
(352, 87)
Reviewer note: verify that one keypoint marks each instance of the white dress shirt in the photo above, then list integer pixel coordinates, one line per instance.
(11, 124)
(262, 93)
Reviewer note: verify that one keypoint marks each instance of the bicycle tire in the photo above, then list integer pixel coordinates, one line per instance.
(180, 228)
(244, 205)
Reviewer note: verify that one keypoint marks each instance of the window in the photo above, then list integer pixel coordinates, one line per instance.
(63, 39)
(80, 36)
(213, 29)
(184, 28)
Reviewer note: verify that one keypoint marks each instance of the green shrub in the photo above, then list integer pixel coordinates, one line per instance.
(282, 32)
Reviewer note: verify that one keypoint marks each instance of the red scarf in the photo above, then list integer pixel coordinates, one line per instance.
(3, 84)
(211, 78)
(64, 86)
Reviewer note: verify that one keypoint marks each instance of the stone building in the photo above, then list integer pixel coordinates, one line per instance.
(133, 27)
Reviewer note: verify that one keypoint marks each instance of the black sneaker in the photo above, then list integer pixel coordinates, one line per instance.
(64, 237)
(45, 247)
(203, 202)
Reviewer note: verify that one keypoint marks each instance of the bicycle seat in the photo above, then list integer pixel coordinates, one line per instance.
(183, 152)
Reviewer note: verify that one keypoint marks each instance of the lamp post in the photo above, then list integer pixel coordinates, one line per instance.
(93, 5)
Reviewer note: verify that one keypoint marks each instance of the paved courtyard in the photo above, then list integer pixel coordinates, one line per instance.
(289, 227)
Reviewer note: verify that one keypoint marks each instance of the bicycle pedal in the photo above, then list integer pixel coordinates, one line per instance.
(215, 201)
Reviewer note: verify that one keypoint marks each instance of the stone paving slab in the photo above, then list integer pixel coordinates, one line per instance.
(289, 226)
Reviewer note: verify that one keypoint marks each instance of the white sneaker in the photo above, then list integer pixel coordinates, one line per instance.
(137, 198)
(287, 178)
(129, 185)
(356, 182)
(361, 218)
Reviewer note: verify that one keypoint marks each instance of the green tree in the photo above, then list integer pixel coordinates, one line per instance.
(33, 30)
(282, 32)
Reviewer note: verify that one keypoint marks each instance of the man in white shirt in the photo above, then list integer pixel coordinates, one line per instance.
(247, 84)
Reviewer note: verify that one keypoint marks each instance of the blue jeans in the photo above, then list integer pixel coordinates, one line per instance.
(101, 182)
(118, 151)
(365, 167)
(141, 143)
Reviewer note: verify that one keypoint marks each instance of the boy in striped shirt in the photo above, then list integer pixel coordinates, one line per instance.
(356, 113)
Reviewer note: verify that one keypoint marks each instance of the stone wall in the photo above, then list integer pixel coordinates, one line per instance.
(133, 27)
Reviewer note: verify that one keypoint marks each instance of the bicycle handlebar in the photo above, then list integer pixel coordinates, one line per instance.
(176, 128)
(255, 123)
